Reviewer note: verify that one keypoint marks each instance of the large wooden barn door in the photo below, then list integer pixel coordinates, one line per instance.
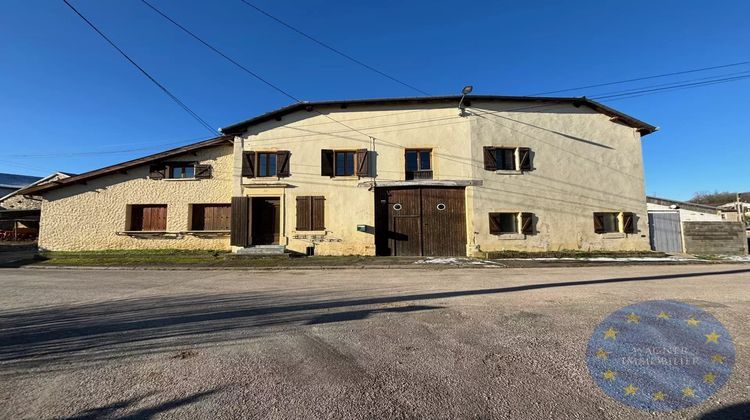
(420, 221)
(443, 222)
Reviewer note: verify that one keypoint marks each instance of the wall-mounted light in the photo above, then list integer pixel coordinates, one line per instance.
(465, 91)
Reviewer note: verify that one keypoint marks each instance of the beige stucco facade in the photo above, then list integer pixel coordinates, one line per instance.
(94, 215)
(583, 162)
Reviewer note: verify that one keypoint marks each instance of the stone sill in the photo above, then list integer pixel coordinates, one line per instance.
(181, 179)
(149, 234)
(206, 232)
(510, 236)
(614, 235)
(508, 172)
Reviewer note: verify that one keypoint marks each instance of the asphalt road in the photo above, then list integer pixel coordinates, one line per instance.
(454, 343)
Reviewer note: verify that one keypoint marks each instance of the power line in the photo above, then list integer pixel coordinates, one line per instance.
(106, 152)
(742, 63)
(643, 92)
(335, 50)
(245, 69)
(217, 51)
(145, 73)
(678, 82)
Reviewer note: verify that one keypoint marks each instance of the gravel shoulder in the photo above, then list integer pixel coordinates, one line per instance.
(500, 343)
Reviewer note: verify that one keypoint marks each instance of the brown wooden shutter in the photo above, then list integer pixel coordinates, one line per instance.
(248, 164)
(203, 171)
(304, 213)
(158, 171)
(240, 224)
(154, 218)
(524, 154)
(494, 224)
(527, 223)
(598, 223)
(326, 162)
(628, 223)
(490, 161)
(282, 163)
(318, 213)
(363, 162)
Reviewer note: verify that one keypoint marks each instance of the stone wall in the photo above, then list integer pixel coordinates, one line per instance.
(715, 238)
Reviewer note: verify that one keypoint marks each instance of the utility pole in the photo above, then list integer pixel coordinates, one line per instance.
(740, 212)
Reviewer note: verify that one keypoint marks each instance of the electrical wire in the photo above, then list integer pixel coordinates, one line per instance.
(245, 69)
(143, 71)
(333, 49)
(643, 92)
(741, 63)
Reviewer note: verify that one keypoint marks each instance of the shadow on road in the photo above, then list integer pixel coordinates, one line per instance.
(47, 337)
(143, 413)
(740, 411)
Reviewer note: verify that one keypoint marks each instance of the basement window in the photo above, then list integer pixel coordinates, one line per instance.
(615, 222)
(511, 223)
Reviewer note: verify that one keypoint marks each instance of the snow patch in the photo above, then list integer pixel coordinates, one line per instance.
(455, 261)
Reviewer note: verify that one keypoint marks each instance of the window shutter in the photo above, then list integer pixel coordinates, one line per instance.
(628, 223)
(248, 164)
(326, 162)
(494, 224)
(363, 162)
(304, 208)
(490, 161)
(318, 213)
(154, 218)
(524, 154)
(527, 223)
(239, 226)
(158, 171)
(598, 223)
(282, 163)
(203, 171)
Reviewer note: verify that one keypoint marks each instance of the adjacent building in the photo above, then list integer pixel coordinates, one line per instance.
(403, 176)
(19, 211)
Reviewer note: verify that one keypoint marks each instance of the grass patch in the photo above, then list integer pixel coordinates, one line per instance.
(573, 254)
(174, 258)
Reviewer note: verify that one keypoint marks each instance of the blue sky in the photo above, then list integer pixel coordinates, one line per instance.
(69, 102)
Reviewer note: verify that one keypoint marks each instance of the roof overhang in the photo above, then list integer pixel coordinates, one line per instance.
(239, 128)
(124, 166)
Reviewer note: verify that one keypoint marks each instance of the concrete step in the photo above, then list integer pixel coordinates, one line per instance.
(263, 250)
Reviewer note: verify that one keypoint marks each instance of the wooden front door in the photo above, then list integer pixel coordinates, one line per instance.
(420, 221)
(265, 221)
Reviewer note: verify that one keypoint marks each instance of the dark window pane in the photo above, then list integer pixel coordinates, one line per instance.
(610, 222)
(424, 160)
(411, 161)
(508, 223)
(344, 163)
(506, 159)
(176, 172)
(271, 165)
(262, 164)
(340, 166)
(189, 172)
(350, 163)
